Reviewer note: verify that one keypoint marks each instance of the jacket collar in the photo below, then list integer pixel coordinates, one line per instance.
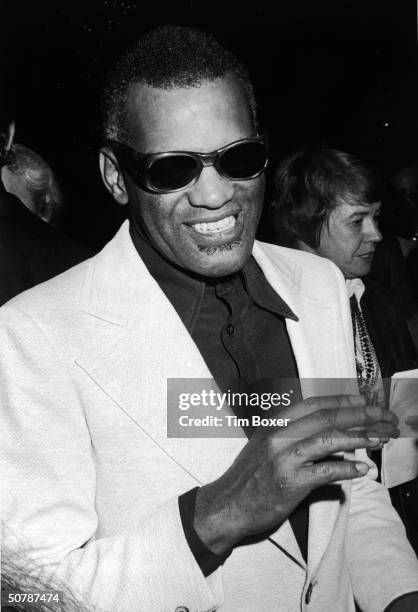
(99, 298)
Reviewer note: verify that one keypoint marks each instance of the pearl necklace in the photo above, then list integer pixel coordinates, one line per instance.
(368, 373)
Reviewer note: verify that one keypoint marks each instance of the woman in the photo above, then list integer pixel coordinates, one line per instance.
(327, 203)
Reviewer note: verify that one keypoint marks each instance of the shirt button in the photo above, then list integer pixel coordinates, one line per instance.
(309, 593)
(230, 329)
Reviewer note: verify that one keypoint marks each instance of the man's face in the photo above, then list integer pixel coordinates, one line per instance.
(209, 226)
(350, 237)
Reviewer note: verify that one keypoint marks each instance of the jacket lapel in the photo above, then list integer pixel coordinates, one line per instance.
(321, 340)
(148, 346)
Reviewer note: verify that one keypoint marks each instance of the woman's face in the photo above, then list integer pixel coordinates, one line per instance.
(350, 237)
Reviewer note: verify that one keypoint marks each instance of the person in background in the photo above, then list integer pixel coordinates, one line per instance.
(32, 180)
(402, 206)
(31, 251)
(394, 260)
(404, 185)
(327, 202)
(390, 270)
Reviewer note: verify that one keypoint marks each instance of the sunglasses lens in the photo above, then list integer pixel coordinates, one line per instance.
(243, 161)
(173, 171)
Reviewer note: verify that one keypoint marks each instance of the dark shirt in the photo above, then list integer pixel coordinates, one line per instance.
(238, 324)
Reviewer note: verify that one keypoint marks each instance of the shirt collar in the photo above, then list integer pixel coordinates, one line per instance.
(186, 290)
(355, 286)
(262, 293)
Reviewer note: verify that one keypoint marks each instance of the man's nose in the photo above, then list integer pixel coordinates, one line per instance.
(211, 190)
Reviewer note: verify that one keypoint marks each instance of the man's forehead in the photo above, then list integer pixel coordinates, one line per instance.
(155, 114)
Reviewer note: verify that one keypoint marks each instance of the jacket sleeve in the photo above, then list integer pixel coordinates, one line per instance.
(377, 548)
(48, 500)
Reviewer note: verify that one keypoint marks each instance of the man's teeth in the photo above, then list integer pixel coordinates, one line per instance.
(215, 226)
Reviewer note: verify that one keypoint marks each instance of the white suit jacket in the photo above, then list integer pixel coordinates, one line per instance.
(91, 479)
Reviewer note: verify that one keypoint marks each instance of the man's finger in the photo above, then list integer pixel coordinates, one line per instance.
(316, 448)
(341, 419)
(381, 429)
(328, 402)
(326, 472)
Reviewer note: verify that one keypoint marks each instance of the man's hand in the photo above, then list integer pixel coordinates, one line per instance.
(278, 468)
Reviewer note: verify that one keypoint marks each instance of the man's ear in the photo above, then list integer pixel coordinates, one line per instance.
(112, 176)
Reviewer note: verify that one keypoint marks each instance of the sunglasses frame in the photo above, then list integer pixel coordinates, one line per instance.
(137, 164)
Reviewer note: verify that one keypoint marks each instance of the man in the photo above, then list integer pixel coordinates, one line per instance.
(30, 250)
(98, 493)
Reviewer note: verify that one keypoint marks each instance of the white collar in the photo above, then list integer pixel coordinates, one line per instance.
(355, 286)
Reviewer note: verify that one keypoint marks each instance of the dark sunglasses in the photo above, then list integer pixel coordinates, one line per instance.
(241, 160)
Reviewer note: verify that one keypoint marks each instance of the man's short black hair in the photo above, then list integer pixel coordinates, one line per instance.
(167, 57)
(309, 184)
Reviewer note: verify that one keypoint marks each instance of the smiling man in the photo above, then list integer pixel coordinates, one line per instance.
(209, 227)
(97, 493)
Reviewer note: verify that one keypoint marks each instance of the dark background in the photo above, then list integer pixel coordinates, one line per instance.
(341, 72)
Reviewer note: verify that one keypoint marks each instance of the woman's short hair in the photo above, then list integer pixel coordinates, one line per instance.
(309, 184)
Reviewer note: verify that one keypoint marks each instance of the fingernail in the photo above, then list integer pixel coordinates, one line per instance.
(362, 468)
(373, 440)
